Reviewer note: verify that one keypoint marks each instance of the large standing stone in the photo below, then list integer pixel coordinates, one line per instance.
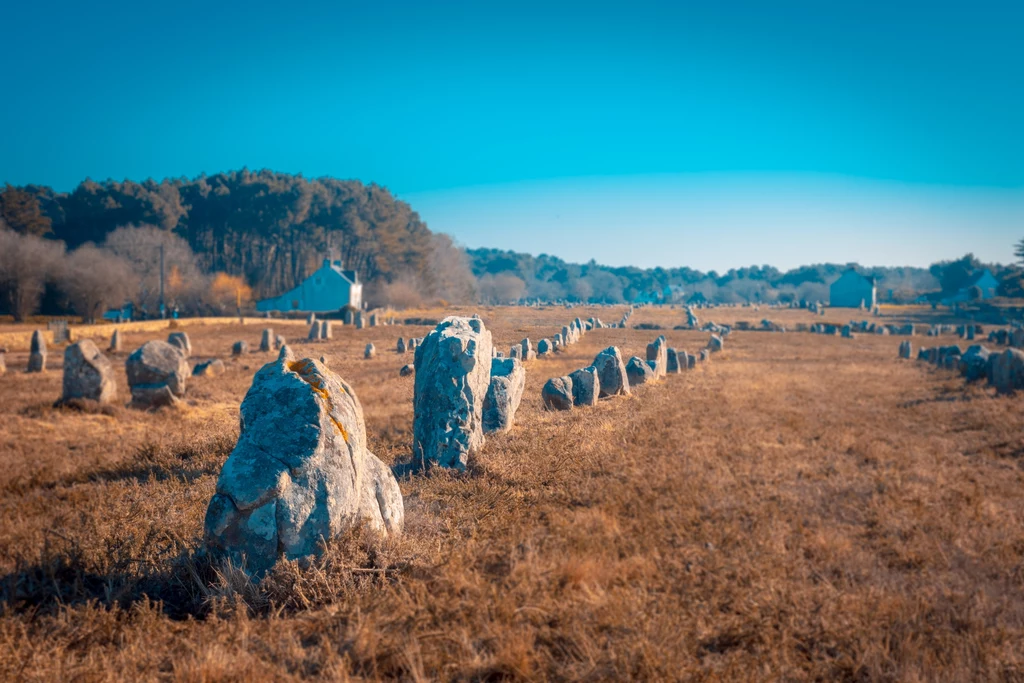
(557, 393)
(508, 378)
(115, 342)
(657, 351)
(672, 365)
(639, 372)
(181, 341)
(87, 374)
(543, 347)
(585, 386)
(453, 373)
(240, 348)
(370, 351)
(266, 340)
(156, 374)
(1006, 370)
(974, 362)
(715, 344)
(611, 372)
(300, 473)
(37, 353)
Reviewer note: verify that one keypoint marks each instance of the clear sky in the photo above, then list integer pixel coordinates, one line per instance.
(680, 133)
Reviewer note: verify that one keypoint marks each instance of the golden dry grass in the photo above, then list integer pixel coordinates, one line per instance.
(803, 507)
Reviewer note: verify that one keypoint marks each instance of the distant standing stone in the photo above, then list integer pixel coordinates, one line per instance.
(115, 342)
(905, 349)
(266, 340)
(515, 351)
(314, 331)
(557, 393)
(715, 344)
(672, 361)
(528, 352)
(210, 368)
(37, 353)
(453, 373)
(181, 341)
(504, 393)
(156, 374)
(407, 370)
(279, 341)
(585, 386)
(611, 372)
(325, 330)
(401, 345)
(543, 347)
(240, 348)
(360, 324)
(311, 319)
(657, 352)
(370, 351)
(87, 374)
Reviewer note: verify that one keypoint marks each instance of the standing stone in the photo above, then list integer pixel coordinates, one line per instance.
(37, 354)
(715, 344)
(639, 372)
(453, 373)
(1006, 370)
(401, 345)
(672, 361)
(181, 341)
(360, 324)
(657, 352)
(527, 347)
(115, 342)
(974, 363)
(691, 361)
(407, 370)
(240, 348)
(566, 335)
(314, 331)
(515, 351)
(705, 355)
(210, 368)
(266, 340)
(370, 351)
(373, 320)
(508, 378)
(348, 315)
(557, 393)
(905, 349)
(301, 472)
(325, 330)
(311, 319)
(611, 373)
(87, 374)
(543, 347)
(279, 341)
(585, 386)
(156, 374)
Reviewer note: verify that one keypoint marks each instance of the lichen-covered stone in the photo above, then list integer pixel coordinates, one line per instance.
(715, 344)
(557, 393)
(657, 351)
(370, 351)
(87, 374)
(611, 372)
(326, 331)
(300, 473)
(314, 331)
(672, 365)
(508, 378)
(240, 348)
(453, 373)
(37, 353)
(266, 340)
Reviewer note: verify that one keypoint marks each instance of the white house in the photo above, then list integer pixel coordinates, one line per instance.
(330, 288)
(852, 290)
(983, 279)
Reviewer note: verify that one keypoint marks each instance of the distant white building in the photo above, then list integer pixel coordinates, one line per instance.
(983, 279)
(328, 289)
(852, 290)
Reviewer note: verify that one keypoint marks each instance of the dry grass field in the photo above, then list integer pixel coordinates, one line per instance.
(801, 508)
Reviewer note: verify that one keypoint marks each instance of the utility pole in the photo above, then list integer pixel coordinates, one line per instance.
(162, 307)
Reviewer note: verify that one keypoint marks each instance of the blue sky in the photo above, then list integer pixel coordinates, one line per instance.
(702, 134)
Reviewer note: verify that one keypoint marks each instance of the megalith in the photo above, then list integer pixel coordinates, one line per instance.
(156, 374)
(508, 378)
(611, 373)
(87, 374)
(557, 393)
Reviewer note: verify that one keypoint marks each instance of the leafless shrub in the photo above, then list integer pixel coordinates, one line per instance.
(27, 263)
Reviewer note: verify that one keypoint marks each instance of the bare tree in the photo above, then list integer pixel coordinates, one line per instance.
(27, 263)
(140, 247)
(94, 280)
(502, 288)
(450, 276)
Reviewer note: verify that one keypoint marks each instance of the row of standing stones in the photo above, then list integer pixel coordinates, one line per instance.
(1004, 370)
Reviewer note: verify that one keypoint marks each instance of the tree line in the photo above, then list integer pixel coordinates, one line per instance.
(235, 237)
